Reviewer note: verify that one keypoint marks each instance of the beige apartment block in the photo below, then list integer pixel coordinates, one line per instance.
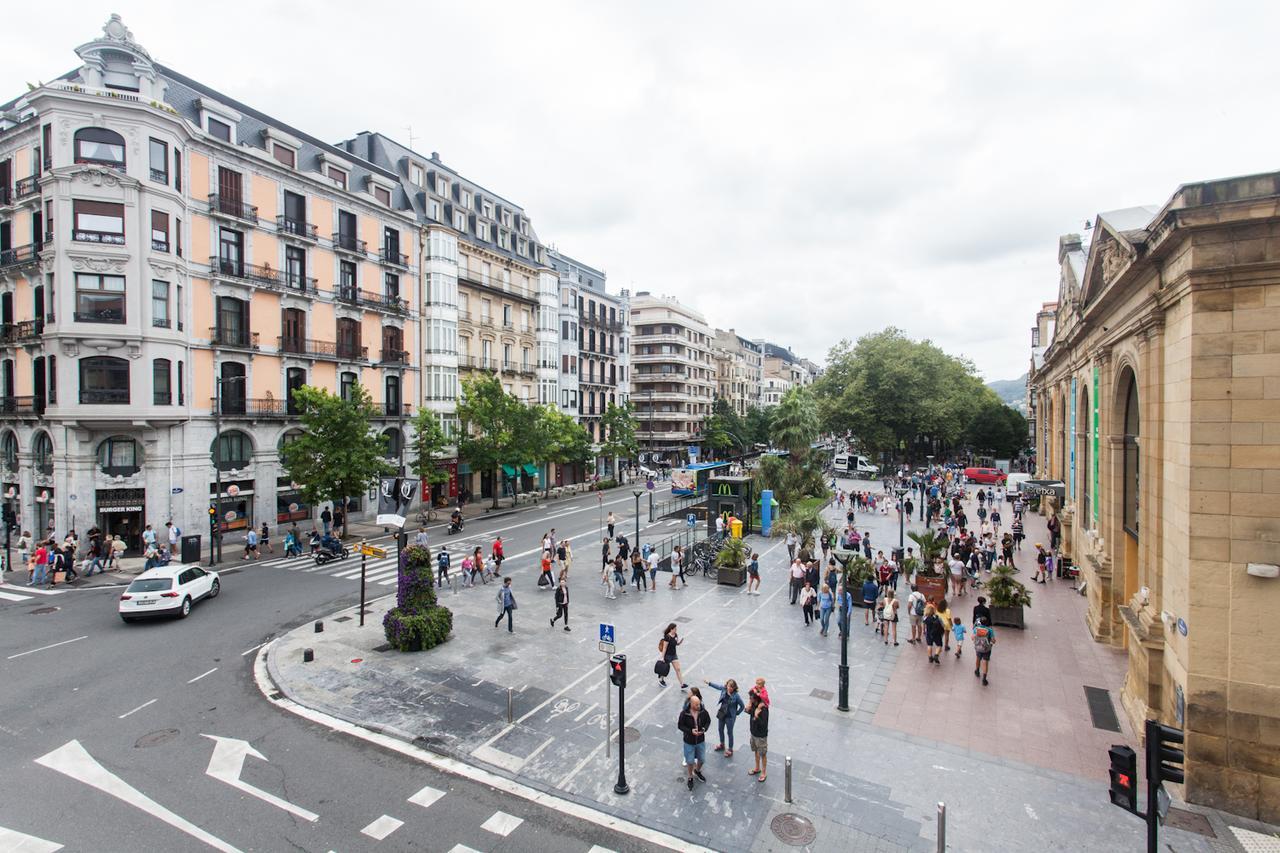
(673, 376)
(1157, 402)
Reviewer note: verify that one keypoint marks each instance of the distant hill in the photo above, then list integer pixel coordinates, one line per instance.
(1012, 391)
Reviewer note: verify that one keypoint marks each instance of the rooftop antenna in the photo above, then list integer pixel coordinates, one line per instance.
(409, 128)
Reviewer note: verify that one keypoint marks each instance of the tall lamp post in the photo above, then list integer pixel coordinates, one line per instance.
(637, 493)
(902, 514)
(215, 529)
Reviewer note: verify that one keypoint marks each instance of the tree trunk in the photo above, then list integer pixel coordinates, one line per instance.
(497, 480)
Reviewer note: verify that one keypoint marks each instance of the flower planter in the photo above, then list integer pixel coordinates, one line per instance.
(731, 577)
(1009, 617)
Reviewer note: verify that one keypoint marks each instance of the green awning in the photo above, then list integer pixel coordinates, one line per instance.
(531, 470)
(508, 470)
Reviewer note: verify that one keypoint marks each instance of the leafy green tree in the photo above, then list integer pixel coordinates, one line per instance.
(490, 421)
(557, 439)
(989, 429)
(756, 427)
(428, 447)
(618, 432)
(338, 454)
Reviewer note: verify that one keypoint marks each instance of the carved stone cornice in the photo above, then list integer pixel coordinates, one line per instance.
(98, 263)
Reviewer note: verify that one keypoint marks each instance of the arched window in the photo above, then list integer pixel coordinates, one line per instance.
(101, 146)
(104, 380)
(232, 449)
(42, 451)
(1084, 418)
(349, 339)
(394, 443)
(9, 451)
(288, 438)
(1131, 485)
(119, 456)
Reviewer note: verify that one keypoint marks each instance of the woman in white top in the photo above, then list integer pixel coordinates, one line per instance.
(677, 567)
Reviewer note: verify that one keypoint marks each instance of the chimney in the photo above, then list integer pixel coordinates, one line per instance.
(1067, 244)
(435, 156)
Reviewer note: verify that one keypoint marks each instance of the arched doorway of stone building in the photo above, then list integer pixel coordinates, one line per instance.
(1130, 496)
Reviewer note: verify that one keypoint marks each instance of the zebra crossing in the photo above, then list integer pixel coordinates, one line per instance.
(10, 592)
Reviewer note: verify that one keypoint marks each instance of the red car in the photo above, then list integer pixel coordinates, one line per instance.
(985, 476)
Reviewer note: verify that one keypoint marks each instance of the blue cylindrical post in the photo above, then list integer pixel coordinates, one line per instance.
(766, 512)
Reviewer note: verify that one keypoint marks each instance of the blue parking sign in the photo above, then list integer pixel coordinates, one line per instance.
(606, 633)
(691, 520)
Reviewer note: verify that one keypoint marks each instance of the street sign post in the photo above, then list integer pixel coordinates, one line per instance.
(372, 551)
(606, 633)
(606, 646)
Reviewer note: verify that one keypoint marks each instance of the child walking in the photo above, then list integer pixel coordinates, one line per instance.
(958, 631)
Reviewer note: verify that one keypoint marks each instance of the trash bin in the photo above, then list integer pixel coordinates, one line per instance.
(191, 549)
(735, 528)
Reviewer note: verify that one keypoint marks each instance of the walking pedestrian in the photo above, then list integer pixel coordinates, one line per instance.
(637, 570)
(933, 631)
(753, 575)
(326, 519)
(1041, 560)
(545, 580)
(619, 580)
(562, 600)
(420, 538)
(506, 604)
(797, 579)
(826, 600)
(870, 591)
(984, 637)
(265, 539)
(981, 613)
(606, 578)
(958, 631)
(693, 724)
(791, 541)
(250, 544)
(758, 709)
(915, 611)
(498, 556)
(727, 712)
(944, 613)
(667, 647)
(442, 568)
(807, 598)
(653, 570)
(610, 522)
(677, 568)
(890, 617)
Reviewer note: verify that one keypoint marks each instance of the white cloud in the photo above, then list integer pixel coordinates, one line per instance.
(801, 172)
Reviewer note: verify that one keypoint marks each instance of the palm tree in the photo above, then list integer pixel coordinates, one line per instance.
(794, 423)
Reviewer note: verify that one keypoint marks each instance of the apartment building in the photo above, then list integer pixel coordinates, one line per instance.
(179, 263)
(673, 376)
(783, 364)
(490, 301)
(593, 347)
(739, 370)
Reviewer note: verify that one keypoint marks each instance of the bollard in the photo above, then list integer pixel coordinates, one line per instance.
(510, 705)
(308, 655)
(319, 627)
(787, 780)
(942, 827)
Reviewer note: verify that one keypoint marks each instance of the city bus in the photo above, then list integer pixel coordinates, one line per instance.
(693, 479)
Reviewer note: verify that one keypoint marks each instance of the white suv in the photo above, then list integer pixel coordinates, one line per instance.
(167, 590)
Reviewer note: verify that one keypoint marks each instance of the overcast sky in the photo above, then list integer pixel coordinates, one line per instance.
(801, 172)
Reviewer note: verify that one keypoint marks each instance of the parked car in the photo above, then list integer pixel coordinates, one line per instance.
(168, 591)
(1013, 483)
(985, 476)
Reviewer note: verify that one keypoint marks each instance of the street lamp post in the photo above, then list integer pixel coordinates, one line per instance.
(902, 513)
(637, 493)
(844, 623)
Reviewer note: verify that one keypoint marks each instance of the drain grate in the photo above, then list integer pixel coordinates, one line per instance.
(793, 829)
(682, 619)
(825, 695)
(1189, 822)
(1101, 710)
(343, 619)
(385, 647)
(632, 734)
(155, 738)
(44, 611)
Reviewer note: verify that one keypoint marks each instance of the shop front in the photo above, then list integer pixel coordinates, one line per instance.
(235, 508)
(290, 505)
(120, 513)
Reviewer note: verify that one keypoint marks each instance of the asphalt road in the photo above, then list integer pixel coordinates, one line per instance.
(154, 736)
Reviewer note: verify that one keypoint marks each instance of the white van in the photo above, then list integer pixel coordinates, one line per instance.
(1013, 483)
(854, 465)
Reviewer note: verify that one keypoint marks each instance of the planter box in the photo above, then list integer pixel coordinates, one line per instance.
(1009, 617)
(933, 589)
(731, 577)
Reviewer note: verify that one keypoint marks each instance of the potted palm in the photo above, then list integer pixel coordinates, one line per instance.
(731, 562)
(930, 582)
(1008, 597)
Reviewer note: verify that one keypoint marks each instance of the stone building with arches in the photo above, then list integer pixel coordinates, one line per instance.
(1157, 403)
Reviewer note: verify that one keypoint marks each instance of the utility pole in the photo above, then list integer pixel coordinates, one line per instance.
(637, 493)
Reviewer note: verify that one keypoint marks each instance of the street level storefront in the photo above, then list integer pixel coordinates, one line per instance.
(1157, 406)
(120, 513)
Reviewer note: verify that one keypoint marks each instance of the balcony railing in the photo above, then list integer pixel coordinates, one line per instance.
(232, 207)
(158, 245)
(395, 356)
(393, 258)
(262, 275)
(26, 187)
(104, 396)
(110, 238)
(296, 228)
(350, 243)
(253, 407)
(160, 176)
(23, 330)
(369, 299)
(104, 315)
(21, 406)
(393, 410)
(233, 338)
(314, 348)
(495, 284)
(20, 255)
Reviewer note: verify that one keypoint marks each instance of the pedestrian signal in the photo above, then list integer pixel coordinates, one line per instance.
(618, 670)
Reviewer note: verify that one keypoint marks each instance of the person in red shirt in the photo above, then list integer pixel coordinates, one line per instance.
(498, 556)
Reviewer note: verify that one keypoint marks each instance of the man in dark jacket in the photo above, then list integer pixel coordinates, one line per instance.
(693, 723)
(562, 601)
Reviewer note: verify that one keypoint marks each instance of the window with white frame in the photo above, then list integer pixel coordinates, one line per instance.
(416, 175)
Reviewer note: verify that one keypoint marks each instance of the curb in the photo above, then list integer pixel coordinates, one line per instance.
(267, 679)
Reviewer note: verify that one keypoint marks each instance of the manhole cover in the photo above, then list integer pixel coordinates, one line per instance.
(793, 829)
(44, 611)
(682, 619)
(155, 738)
(632, 734)
(1189, 822)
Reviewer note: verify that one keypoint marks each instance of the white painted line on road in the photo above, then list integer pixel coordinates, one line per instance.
(462, 848)
(382, 827)
(596, 848)
(43, 648)
(426, 797)
(501, 823)
(8, 596)
(31, 590)
(466, 771)
(73, 760)
(203, 674)
(254, 649)
(588, 710)
(12, 841)
(137, 709)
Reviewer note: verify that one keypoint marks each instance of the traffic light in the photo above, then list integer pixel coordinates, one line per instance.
(1124, 777)
(618, 670)
(1164, 754)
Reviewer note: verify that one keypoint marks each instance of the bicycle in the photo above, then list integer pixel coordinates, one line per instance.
(427, 514)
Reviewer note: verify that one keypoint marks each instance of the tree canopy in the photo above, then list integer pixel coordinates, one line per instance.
(490, 427)
(428, 446)
(618, 431)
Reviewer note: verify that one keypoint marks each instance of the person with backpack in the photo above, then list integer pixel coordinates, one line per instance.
(670, 657)
(442, 568)
(889, 616)
(933, 631)
(984, 637)
(915, 611)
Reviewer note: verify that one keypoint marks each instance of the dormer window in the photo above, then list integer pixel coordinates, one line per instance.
(383, 195)
(506, 218)
(466, 198)
(284, 155)
(460, 221)
(338, 177)
(100, 146)
(487, 209)
(442, 187)
(219, 129)
(416, 176)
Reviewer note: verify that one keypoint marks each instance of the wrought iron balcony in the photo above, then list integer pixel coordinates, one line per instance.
(104, 396)
(21, 331)
(26, 187)
(395, 356)
(350, 243)
(20, 255)
(377, 301)
(388, 411)
(21, 406)
(296, 228)
(313, 348)
(110, 238)
(102, 315)
(261, 275)
(233, 207)
(390, 257)
(253, 407)
(233, 338)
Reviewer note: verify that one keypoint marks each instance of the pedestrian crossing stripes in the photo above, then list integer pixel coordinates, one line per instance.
(9, 592)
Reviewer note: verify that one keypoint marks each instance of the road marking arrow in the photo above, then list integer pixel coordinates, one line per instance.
(13, 841)
(226, 763)
(72, 759)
